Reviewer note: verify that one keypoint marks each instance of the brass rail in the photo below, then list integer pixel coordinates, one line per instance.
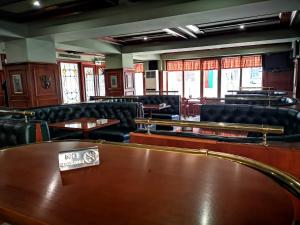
(264, 129)
(17, 112)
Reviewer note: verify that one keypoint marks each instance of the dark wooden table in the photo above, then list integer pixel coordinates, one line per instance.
(84, 124)
(150, 107)
(136, 186)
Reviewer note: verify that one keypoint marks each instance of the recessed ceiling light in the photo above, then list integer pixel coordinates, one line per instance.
(36, 3)
(145, 38)
(195, 29)
(242, 26)
(191, 34)
(171, 32)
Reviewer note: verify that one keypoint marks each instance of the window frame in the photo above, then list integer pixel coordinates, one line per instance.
(202, 73)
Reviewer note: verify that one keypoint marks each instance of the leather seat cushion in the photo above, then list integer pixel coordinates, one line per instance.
(111, 134)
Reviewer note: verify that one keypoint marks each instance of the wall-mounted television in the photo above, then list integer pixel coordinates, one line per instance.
(277, 61)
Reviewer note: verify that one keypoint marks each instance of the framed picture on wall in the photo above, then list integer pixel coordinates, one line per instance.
(113, 81)
(17, 83)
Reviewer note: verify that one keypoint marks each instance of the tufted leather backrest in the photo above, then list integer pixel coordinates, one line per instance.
(251, 114)
(18, 132)
(125, 112)
(263, 92)
(173, 100)
(280, 101)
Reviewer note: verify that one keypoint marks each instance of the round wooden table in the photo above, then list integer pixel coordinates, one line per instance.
(138, 186)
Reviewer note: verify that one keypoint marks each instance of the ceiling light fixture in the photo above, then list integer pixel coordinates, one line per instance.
(171, 32)
(195, 29)
(242, 26)
(187, 32)
(36, 3)
(145, 38)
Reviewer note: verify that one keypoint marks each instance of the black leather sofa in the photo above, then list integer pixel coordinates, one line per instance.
(169, 113)
(253, 114)
(125, 112)
(18, 132)
(172, 113)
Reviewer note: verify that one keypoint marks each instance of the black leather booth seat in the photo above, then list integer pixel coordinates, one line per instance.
(172, 100)
(251, 114)
(18, 132)
(172, 113)
(125, 112)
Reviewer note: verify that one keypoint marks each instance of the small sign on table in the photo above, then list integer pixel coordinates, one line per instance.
(78, 158)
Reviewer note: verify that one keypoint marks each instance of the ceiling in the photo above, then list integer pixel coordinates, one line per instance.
(23, 11)
(139, 26)
(197, 31)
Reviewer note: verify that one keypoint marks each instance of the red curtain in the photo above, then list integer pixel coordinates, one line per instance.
(231, 62)
(175, 65)
(191, 65)
(210, 64)
(139, 67)
(251, 61)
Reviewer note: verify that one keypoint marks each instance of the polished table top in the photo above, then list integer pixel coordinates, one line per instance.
(85, 124)
(135, 185)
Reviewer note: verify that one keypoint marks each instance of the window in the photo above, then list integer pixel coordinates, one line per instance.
(252, 71)
(200, 78)
(252, 77)
(192, 84)
(139, 78)
(210, 83)
(89, 82)
(230, 80)
(230, 74)
(100, 82)
(175, 82)
(210, 78)
(70, 82)
(139, 83)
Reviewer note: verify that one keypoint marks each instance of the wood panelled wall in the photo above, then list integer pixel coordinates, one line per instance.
(40, 85)
(2, 101)
(281, 80)
(119, 82)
